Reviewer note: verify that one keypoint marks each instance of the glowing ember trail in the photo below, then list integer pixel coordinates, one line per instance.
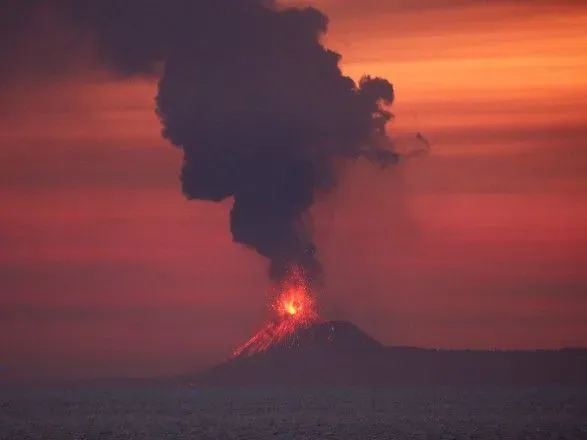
(293, 307)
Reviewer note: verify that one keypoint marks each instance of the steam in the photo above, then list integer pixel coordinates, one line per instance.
(256, 102)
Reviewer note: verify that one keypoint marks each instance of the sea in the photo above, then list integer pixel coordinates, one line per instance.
(147, 413)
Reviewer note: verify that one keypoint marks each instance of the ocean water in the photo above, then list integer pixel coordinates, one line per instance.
(349, 413)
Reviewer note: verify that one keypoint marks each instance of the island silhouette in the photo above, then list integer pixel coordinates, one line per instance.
(338, 353)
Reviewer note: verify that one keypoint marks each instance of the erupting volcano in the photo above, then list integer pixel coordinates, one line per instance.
(264, 116)
(293, 307)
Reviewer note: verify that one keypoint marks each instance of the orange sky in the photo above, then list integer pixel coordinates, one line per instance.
(106, 269)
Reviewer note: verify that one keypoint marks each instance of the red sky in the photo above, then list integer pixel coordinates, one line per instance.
(105, 269)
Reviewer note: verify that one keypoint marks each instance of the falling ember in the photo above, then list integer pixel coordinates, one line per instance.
(293, 307)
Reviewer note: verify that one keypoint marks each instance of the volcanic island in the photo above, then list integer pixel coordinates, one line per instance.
(297, 348)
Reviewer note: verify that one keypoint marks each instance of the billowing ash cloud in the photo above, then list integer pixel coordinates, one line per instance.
(258, 105)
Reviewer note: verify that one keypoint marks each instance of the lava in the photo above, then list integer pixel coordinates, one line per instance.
(293, 307)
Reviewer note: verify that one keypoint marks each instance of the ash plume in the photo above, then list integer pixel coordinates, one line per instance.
(256, 102)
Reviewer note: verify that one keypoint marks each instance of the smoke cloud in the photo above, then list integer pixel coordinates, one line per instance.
(256, 102)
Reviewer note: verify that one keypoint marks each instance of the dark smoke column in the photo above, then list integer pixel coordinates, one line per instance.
(261, 111)
(258, 105)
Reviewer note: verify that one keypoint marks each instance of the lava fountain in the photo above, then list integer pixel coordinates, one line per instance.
(293, 307)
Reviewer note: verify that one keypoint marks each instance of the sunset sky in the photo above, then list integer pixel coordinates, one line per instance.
(106, 269)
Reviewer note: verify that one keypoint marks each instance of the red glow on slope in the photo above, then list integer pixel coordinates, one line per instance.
(294, 307)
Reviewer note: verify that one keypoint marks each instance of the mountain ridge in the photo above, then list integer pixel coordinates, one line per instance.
(339, 353)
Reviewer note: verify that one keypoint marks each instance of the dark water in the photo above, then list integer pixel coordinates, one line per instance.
(410, 413)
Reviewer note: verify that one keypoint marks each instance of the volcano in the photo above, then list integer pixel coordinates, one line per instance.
(338, 353)
(319, 353)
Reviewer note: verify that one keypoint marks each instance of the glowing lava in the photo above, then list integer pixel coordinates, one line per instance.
(294, 306)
